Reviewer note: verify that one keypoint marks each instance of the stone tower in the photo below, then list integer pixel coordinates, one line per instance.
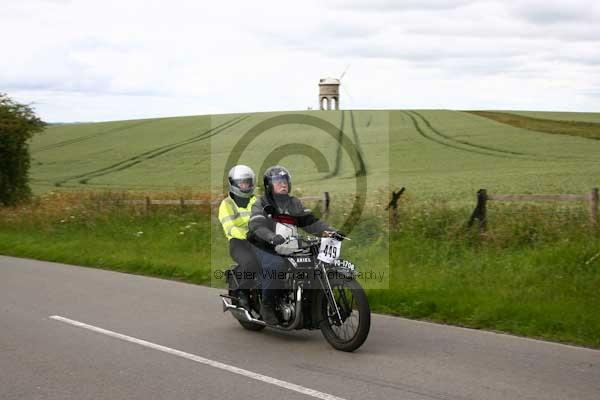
(329, 94)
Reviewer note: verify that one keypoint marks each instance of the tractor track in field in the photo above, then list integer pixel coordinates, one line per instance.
(485, 149)
(150, 154)
(466, 143)
(453, 146)
(91, 136)
(338, 154)
(117, 186)
(362, 169)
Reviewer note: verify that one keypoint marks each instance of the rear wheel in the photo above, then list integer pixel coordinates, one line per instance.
(355, 313)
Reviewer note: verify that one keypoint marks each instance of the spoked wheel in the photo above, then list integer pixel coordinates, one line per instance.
(355, 315)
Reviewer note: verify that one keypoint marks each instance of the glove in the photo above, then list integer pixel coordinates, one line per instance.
(277, 240)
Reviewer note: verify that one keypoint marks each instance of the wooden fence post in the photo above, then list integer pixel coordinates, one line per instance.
(393, 205)
(480, 211)
(594, 207)
(147, 205)
(181, 204)
(326, 201)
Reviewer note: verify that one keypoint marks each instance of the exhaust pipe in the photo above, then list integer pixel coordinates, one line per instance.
(242, 314)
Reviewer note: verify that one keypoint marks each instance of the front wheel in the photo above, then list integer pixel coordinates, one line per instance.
(354, 310)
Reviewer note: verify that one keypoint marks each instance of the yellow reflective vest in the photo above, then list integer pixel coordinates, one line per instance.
(235, 219)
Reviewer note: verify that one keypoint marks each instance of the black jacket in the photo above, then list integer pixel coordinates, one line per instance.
(266, 212)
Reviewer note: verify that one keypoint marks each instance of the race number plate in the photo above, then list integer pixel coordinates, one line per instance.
(330, 250)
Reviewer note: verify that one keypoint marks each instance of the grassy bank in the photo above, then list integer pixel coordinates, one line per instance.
(590, 130)
(534, 272)
(90, 231)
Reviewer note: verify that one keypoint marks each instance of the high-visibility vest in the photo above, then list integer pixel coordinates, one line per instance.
(235, 219)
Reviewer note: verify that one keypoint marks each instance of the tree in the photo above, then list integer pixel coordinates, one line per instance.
(18, 123)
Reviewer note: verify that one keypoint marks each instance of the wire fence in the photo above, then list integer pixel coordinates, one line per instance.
(483, 197)
(323, 201)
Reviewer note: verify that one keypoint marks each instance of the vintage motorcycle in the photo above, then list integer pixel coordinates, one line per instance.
(319, 292)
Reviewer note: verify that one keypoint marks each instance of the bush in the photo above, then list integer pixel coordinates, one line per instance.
(18, 123)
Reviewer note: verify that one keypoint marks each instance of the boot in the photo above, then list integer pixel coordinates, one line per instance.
(267, 312)
(242, 298)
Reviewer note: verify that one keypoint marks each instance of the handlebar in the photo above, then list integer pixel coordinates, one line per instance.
(306, 242)
(335, 235)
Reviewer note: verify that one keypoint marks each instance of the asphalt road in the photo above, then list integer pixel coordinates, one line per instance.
(157, 339)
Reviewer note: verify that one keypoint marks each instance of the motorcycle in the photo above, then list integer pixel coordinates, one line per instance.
(320, 291)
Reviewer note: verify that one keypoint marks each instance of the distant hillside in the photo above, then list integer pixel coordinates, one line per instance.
(445, 154)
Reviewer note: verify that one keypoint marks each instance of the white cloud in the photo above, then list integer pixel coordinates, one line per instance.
(99, 60)
(394, 5)
(548, 12)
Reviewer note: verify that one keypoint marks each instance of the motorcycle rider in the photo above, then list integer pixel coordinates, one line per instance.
(275, 218)
(234, 214)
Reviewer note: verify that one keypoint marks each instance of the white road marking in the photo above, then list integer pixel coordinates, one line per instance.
(202, 360)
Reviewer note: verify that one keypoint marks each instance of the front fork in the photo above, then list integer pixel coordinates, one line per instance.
(329, 293)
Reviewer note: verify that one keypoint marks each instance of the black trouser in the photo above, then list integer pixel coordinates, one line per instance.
(243, 253)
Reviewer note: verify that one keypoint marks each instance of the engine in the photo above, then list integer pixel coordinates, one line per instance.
(286, 307)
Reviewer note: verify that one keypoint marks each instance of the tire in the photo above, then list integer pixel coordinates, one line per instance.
(359, 308)
(251, 326)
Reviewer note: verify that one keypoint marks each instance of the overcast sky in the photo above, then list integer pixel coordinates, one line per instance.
(107, 60)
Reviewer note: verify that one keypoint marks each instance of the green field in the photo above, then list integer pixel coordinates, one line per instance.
(436, 154)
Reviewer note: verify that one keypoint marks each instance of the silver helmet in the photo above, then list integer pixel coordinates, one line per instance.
(242, 181)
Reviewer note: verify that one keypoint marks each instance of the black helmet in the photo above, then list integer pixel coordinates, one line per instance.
(274, 174)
